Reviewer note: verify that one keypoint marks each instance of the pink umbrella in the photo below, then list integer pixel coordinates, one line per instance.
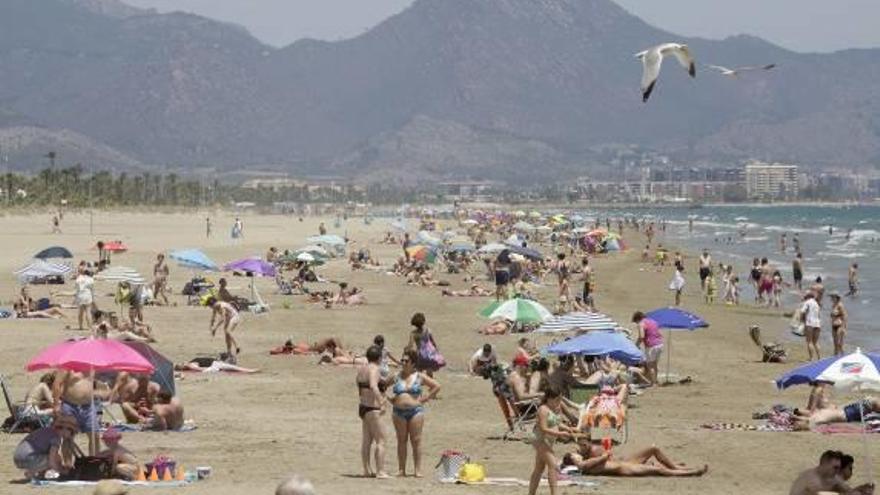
(89, 355)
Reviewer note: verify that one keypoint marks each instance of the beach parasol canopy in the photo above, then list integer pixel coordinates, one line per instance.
(330, 239)
(54, 252)
(599, 343)
(305, 257)
(527, 252)
(856, 371)
(677, 319)
(121, 274)
(425, 237)
(255, 266)
(115, 247)
(534, 214)
(39, 269)
(470, 222)
(399, 225)
(87, 355)
(423, 253)
(194, 259)
(523, 227)
(493, 247)
(518, 310)
(315, 250)
(578, 321)
(164, 368)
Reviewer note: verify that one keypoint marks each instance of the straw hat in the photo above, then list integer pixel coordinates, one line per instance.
(65, 420)
(110, 487)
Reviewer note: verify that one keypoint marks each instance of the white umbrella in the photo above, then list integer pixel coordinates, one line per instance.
(121, 274)
(306, 257)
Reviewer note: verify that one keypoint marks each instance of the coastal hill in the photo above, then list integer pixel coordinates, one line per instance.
(517, 90)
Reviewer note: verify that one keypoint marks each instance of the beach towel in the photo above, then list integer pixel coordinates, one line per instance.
(80, 484)
(188, 426)
(745, 427)
(848, 428)
(574, 481)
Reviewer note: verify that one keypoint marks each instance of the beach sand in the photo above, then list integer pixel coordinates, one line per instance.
(297, 417)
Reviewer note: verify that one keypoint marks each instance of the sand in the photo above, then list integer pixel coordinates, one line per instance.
(297, 417)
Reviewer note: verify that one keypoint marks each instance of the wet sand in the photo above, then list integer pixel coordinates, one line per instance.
(297, 417)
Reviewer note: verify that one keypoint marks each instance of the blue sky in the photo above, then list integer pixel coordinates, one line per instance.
(803, 25)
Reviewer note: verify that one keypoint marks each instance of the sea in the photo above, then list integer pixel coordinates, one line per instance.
(832, 237)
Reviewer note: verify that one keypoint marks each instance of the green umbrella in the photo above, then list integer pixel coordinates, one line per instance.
(518, 310)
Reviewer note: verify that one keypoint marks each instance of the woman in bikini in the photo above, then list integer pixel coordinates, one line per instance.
(160, 279)
(408, 400)
(593, 460)
(371, 390)
(839, 319)
(26, 307)
(548, 428)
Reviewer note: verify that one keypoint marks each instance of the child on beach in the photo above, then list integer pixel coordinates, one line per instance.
(677, 283)
(711, 288)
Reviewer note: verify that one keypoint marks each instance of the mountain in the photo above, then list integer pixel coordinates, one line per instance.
(518, 90)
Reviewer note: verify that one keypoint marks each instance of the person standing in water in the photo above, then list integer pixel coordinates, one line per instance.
(782, 239)
(705, 268)
(797, 271)
(853, 278)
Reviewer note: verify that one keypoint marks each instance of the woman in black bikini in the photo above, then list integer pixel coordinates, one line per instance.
(371, 408)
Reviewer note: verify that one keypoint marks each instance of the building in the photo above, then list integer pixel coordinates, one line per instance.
(771, 181)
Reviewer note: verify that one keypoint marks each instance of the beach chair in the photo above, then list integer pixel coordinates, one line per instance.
(604, 416)
(518, 415)
(23, 417)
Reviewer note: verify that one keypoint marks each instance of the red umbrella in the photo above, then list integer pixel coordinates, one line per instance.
(115, 247)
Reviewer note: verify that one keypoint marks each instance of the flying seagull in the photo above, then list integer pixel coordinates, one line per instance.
(735, 72)
(652, 58)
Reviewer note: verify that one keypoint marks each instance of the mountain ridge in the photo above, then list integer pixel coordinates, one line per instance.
(181, 90)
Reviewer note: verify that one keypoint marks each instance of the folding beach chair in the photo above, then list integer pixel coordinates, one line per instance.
(519, 416)
(605, 416)
(23, 417)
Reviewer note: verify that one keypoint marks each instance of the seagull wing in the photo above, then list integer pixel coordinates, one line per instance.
(719, 68)
(683, 54)
(651, 62)
(756, 67)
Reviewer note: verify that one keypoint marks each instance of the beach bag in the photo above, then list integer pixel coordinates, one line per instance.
(472, 473)
(89, 468)
(451, 463)
(429, 356)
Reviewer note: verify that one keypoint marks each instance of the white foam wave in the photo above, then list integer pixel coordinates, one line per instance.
(850, 255)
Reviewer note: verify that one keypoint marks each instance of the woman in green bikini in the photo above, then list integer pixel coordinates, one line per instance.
(548, 428)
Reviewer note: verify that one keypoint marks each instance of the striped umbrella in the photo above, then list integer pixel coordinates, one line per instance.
(578, 322)
(519, 310)
(121, 274)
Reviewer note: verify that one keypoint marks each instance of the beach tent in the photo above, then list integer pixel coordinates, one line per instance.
(857, 371)
(39, 268)
(578, 321)
(54, 252)
(675, 319)
(193, 259)
(599, 343)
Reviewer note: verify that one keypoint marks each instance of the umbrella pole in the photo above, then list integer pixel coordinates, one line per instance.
(865, 441)
(93, 435)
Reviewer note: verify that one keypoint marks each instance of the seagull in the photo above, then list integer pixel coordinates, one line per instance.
(735, 72)
(652, 58)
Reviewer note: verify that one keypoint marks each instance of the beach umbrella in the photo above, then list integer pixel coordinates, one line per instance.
(857, 371)
(519, 214)
(315, 250)
(305, 257)
(675, 319)
(544, 229)
(329, 239)
(193, 259)
(462, 247)
(523, 227)
(599, 343)
(422, 253)
(399, 225)
(90, 356)
(527, 252)
(54, 252)
(121, 274)
(115, 247)
(492, 247)
(426, 238)
(39, 269)
(163, 373)
(578, 321)
(254, 266)
(534, 214)
(518, 310)
(470, 222)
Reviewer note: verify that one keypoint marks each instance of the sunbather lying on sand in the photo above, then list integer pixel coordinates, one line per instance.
(474, 291)
(211, 365)
(323, 345)
(26, 307)
(497, 327)
(593, 460)
(831, 413)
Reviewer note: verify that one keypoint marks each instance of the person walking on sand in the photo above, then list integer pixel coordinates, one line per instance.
(812, 325)
(677, 283)
(705, 268)
(84, 297)
(207, 227)
(226, 315)
(56, 225)
(548, 428)
(160, 279)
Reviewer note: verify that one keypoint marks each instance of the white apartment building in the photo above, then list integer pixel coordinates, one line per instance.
(771, 180)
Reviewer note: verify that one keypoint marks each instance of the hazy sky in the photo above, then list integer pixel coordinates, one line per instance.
(803, 25)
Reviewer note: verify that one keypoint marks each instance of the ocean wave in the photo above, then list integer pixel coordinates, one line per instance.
(831, 254)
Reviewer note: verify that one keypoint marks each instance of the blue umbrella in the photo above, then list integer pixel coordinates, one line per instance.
(600, 343)
(54, 252)
(193, 258)
(527, 252)
(675, 319)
